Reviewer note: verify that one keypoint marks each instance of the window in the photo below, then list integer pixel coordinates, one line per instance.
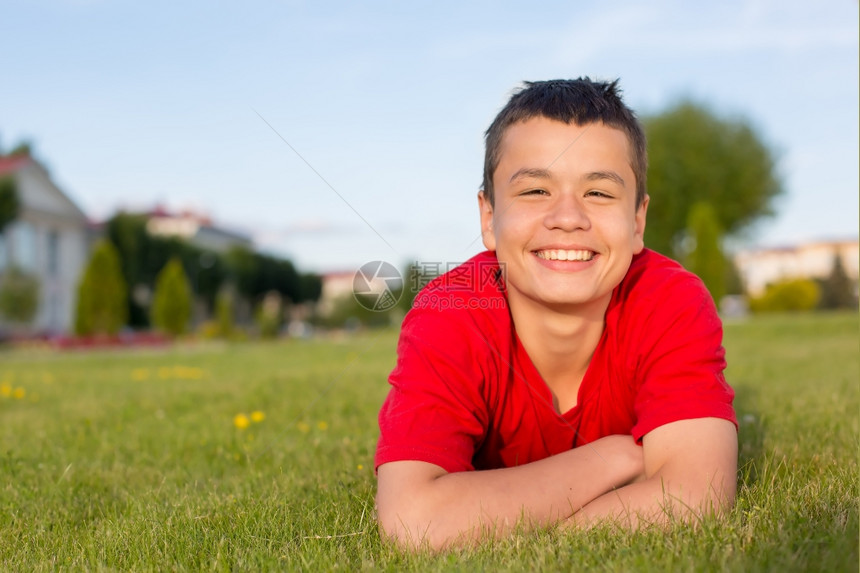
(53, 253)
(2, 252)
(24, 246)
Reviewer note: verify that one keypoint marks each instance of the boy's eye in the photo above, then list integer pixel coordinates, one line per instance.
(599, 194)
(534, 192)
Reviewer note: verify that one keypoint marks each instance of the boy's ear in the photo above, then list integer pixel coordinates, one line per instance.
(487, 234)
(639, 226)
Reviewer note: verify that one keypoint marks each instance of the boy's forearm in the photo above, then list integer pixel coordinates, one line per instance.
(460, 507)
(656, 501)
(691, 471)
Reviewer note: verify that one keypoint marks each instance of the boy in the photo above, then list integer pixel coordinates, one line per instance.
(567, 375)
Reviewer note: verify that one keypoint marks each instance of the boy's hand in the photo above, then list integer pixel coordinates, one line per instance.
(421, 504)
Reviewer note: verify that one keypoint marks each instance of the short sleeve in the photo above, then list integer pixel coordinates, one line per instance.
(434, 411)
(681, 367)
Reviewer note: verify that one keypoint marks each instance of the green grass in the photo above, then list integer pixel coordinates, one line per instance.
(131, 461)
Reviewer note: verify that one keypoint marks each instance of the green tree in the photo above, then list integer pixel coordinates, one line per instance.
(128, 234)
(143, 256)
(706, 258)
(310, 287)
(224, 312)
(9, 203)
(171, 303)
(102, 293)
(19, 296)
(694, 156)
(734, 281)
(837, 290)
(23, 148)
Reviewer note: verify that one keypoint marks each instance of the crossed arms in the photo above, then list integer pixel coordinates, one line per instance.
(684, 469)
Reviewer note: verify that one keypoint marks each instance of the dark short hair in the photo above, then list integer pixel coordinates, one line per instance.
(580, 101)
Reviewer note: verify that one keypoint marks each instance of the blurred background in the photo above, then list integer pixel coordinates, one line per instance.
(272, 148)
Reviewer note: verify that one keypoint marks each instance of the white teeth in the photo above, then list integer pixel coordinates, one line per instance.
(561, 255)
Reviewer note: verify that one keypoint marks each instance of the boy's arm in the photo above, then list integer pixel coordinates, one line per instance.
(690, 470)
(420, 503)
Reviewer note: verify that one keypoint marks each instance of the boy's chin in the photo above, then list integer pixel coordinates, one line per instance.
(570, 301)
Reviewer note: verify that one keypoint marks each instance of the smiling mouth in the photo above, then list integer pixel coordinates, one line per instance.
(562, 255)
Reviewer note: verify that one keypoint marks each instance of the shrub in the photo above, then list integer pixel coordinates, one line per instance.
(269, 315)
(19, 296)
(790, 295)
(171, 303)
(102, 296)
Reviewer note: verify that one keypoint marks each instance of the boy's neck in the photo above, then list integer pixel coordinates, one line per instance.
(560, 343)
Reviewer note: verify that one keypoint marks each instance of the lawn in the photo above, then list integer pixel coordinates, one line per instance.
(260, 457)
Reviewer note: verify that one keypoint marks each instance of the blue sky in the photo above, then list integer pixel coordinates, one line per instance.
(132, 104)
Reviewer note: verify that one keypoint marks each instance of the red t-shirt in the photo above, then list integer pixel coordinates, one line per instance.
(465, 394)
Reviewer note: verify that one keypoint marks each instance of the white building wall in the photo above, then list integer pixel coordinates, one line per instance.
(45, 210)
(57, 287)
(761, 267)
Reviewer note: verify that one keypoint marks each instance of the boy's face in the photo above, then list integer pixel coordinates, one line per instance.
(565, 222)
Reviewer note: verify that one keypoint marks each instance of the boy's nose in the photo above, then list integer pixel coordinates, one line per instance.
(567, 214)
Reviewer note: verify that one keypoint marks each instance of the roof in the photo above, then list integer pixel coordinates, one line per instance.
(12, 163)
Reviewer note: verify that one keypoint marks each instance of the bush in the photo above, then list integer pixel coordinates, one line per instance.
(790, 295)
(19, 296)
(102, 295)
(269, 315)
(348, 313)
(171, 303)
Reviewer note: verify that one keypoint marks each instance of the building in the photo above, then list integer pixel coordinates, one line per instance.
(49, 240)
(335, 287)
(760, 267)
(197, 229)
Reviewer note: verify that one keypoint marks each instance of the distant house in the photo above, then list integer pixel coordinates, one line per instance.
(196, 229)
(49, 239)
(335, 286)
(760, 267)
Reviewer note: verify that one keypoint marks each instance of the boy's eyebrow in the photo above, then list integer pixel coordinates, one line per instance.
(540, 173)
(531, 172)
(610, 175)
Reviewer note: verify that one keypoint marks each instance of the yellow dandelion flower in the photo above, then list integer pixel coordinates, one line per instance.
(19, 393)
(322, 426)
(140, 374)
(5, 390)
(359, 467)
(303, 427)
(194, 373)
(241, 421)
(257, 416)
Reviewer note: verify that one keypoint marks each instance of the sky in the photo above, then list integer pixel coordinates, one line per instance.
(336, 133)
